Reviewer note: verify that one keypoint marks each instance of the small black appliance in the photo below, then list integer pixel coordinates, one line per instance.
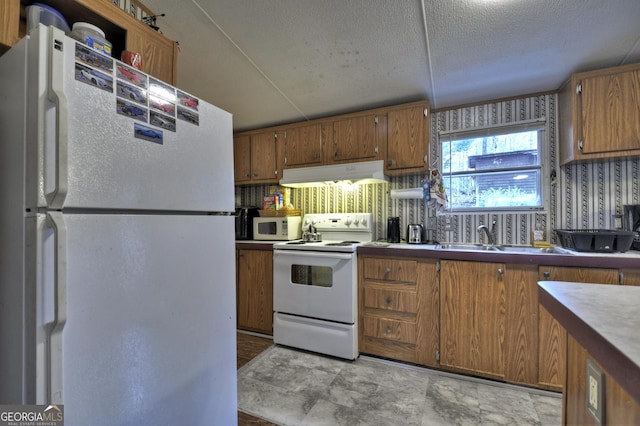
(244, 222)
(393, 230)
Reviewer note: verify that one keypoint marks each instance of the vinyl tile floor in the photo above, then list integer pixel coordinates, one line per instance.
(286, 386)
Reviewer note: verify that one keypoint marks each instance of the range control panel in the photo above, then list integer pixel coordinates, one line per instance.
(332, 222)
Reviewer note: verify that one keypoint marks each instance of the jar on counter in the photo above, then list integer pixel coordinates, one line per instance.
(92, 36)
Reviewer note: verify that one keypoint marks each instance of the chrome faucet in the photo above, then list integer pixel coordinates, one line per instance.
(490, 233)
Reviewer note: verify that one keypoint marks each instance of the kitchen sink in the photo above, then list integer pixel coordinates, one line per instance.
(533, 250)
(475, 247)
(505, 248)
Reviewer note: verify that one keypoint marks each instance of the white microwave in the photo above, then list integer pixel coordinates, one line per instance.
(277, 228)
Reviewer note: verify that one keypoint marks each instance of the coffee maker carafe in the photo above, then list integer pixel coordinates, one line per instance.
(393, 230)
(632, 223)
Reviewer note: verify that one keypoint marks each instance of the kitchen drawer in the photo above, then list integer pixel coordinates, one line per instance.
(391, 300)
(392, 270)
(384, 328)
(389, 349)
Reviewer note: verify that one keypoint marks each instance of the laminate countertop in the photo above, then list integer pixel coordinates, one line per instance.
(629, 259)
(605, 320)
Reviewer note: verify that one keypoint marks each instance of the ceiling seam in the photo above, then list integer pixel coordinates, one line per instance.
(250, 60)
(429, 63)
(635, 45)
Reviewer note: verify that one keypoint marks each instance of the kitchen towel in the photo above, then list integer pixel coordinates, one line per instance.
(438, 196)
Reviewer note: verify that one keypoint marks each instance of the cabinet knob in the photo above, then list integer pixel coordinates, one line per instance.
(546, 274)
(388, 270)
(388, 330)
(500, 271)
(388, 300)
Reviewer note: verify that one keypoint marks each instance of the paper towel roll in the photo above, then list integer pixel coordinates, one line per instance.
(409, 193)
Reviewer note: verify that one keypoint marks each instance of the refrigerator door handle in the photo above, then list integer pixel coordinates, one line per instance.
(57, 293)
(56, 165)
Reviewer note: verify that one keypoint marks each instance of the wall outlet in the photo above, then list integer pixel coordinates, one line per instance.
(448, 223)
(595, 391)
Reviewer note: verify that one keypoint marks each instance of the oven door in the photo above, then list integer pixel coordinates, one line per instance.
(315, 284)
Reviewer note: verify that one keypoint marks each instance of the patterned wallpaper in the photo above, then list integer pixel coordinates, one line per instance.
(580, 196)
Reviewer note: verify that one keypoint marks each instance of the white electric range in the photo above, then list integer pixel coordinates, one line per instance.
(315, 285)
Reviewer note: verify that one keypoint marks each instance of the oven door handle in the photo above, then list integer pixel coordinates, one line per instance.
(316, 254)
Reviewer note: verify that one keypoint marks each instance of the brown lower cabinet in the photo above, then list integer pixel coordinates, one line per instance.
(254, 292)
(473, 317)
(398, 309)
(618, 407)
(552, 336)
(478, 318)
(630, 276)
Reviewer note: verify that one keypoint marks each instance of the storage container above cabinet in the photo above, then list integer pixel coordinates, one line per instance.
(599, 114)
(126, 33)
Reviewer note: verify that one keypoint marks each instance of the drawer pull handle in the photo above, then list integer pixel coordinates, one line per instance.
(388, 330)
(388, 300)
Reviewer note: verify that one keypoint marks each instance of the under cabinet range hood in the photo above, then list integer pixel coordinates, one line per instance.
(350, 173)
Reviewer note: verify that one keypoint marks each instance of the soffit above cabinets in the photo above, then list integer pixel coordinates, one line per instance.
(279, 61)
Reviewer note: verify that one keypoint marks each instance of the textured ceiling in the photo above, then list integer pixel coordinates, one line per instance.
(277, 61)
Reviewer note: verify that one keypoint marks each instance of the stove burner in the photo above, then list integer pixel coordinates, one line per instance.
(343, 243)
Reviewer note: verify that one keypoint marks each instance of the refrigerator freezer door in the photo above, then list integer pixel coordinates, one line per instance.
(149, 336)
(105, 154)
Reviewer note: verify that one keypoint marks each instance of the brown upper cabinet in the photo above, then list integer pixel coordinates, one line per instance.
(302, 145)
(398, 135)
(407, 139)
(159, 54)
(254, 158)
(355, 139)
(600, 114)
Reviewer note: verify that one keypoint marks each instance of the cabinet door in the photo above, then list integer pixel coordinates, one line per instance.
(263, 158)
(552, 336)
(255, 290)
(630, 277)
(472, 317)
(10, 18)
(428, 316)
(302, 146)
(521, 341)
(158, 53)
(407, 138)
(611, 112)
(355, 139)
(242, 158)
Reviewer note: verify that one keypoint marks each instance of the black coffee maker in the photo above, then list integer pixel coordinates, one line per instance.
(632, 223)
(393, 230)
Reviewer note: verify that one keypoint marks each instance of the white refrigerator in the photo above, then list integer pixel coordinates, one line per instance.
(117, 265)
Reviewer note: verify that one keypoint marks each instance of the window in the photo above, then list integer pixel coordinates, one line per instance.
(497, 168)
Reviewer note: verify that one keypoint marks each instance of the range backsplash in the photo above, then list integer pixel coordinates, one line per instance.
(582, 196)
